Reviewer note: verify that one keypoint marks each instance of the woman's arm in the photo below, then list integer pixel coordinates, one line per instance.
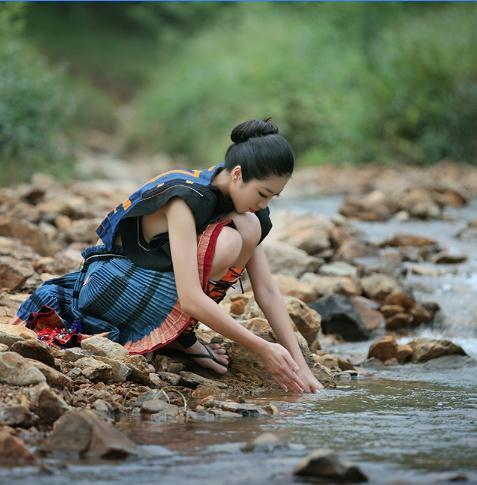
(193, 300)
(270, 300)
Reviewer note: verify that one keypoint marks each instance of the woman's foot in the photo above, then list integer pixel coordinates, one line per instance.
(209, 356)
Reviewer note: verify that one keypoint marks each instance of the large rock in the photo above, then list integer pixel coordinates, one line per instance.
(327, 285)
(427, 349)
(419, 203)
(53, 377)
(36, 350)
(48, 405)
(339, 268)
(16, 415)
(14, 272)
(399, 240)
(375, 206)
(18, 371)
(327, 465)
(311, 233)
(9, 334)
(104, 347)
(371, 317)
(285, 259)
(306, 320)
(84, 433)
(139, 368)
(94, 370)
(339, 316)
(291, 286)
(379, 286)
(383, 349)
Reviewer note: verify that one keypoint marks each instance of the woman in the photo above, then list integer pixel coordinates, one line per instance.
(169, 253)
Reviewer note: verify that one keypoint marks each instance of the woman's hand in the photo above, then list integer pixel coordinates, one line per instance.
(311, 383)
(278, 361)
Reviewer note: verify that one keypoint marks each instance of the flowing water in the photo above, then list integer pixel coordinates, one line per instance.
(405, 424)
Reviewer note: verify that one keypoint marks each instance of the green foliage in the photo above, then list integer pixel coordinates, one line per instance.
(344, 82)
(34, 106)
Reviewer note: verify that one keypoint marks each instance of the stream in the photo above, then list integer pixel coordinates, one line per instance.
(415, 423)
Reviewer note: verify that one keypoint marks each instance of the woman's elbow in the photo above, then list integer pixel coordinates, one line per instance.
(190, 304)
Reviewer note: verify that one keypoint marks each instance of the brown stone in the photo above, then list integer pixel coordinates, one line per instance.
(238, 304)
(427, 349)
(48, 405)
(404, 353)
(384, 348)
(13, 451)
(399, 240)
(421, 314)
(370, 207)
(333, 361)
(399, 321)
(53, 377)
(391, 310)
(306, 320)
(83, 432)
(14, 272)
(327, 285)
(401, 299)
(379, 286)
(18, 371)
(372, 318)
(291, 286)
(34, 349)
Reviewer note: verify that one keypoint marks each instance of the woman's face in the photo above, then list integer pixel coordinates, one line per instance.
(255, 194)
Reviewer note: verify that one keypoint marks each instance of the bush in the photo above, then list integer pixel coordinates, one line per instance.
(34, 107)
(344, 85)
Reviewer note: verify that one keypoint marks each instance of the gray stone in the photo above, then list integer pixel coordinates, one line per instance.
(189, 379)
(34, 349)
(17, 415)
(75, 353)
(53, 377)
(104, 347)
(338, 268)
(94, 370)
(16, 370)
(48, 405)
(339, 316)
(266, 442)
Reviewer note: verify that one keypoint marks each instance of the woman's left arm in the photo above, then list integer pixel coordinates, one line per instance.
(268, 296)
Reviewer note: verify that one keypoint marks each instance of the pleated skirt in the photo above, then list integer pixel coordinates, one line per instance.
(138, 307)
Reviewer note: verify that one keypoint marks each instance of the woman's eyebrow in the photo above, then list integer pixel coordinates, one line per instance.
(271, 191)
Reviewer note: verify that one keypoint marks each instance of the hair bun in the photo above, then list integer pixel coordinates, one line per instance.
(252, 129)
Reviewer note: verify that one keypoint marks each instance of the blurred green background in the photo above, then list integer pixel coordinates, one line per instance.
(347, 83)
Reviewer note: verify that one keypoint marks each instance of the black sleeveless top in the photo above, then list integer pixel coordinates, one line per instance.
(156, 254)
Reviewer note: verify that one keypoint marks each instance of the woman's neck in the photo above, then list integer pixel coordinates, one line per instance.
(222, 181)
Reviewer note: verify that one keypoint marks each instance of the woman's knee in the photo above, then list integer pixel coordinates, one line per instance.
(249, 229)
(229, 245)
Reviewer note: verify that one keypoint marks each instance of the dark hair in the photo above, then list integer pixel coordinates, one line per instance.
(259, 150)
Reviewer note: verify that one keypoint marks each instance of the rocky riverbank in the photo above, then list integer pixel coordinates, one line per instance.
(338, 286)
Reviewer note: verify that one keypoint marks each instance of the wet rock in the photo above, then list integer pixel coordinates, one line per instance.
(94, 370)
(447, 258)
(14, 272)
(306, 320)
(266, 442)
(351, 249)
(399, 322)
(104, 347)
(189, 379)
(157, 406)
(370, 316)
(285, 259)
(379, 286)
(383, 349)
(426, 349)
(244, 409)
(36, 350)
(48, 405)
(18, 371)
(338, 268)
(399, 240)
(347, 375)
(404, 353)
(13, 451)
(53, 377)
(291, 286)
(17, 415)
(419, 203)
(333, 361)
(374, 206)
(84, 433)
(339, 316)
(327, 465)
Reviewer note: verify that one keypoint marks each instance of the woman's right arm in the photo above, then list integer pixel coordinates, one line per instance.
(193, 300)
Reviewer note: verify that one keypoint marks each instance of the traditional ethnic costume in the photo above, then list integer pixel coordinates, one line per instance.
(130, 291)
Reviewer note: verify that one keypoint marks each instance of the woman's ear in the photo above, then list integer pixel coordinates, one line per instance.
(237, 173)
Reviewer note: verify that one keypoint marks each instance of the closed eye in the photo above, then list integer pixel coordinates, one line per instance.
(262, 195)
